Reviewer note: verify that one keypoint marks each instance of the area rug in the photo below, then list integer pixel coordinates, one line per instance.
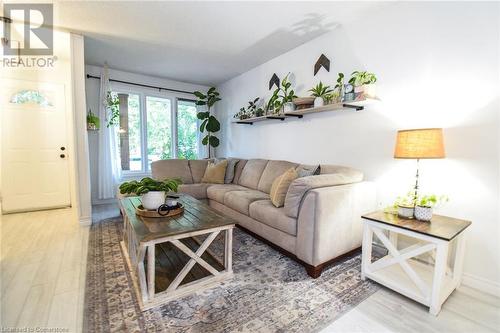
(268, 293)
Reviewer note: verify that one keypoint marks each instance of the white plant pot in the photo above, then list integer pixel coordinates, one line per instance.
(423, 213)
(153, 199)
(370, 90)
(288, 107)
(319, 101)
(405, 212)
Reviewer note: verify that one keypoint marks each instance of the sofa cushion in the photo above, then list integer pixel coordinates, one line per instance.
(215, 172)
(305, 170)
(174, 168)
(216, 192)
(231, 168)
(300, 186)
(251, 173)
(264, 211)
(198, 168)
(280, 187)
(237, 171)
(273, 170)
(199, 191)
(241, 200)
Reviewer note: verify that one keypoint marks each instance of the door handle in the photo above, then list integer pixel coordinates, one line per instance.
(62, 156)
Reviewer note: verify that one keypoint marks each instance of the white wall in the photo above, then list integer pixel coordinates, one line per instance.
(438, 66)
(92, 93)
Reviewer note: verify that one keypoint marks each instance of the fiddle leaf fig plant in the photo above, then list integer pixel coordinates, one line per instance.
(359, 78)
(148, 184)
(320, 90)
(209, 123)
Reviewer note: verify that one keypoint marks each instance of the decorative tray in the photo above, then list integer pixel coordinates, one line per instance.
(176, 210)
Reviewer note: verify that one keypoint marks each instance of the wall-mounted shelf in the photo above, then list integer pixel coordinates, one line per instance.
(356, 105)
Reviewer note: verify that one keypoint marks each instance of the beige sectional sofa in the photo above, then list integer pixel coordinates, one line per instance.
(321, 217)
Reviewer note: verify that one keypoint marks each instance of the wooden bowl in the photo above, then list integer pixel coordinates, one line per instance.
(139, 210)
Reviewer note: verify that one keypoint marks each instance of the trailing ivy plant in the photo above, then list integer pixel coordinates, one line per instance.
(113, 107)
(209, 123)
(148, 184)
(359, 78)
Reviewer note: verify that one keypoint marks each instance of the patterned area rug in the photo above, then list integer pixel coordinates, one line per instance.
(268, 293)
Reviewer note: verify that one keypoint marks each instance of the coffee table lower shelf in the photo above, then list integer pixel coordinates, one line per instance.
(179, 266)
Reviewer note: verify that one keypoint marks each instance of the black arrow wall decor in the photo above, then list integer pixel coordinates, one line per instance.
(275, 80)
(324, 62)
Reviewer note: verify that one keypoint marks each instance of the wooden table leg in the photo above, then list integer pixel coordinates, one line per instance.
(438, 279)
(366, 254)
(151, 271)
(228, 251)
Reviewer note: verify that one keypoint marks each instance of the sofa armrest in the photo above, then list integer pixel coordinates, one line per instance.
(300, 186)
(329, 222)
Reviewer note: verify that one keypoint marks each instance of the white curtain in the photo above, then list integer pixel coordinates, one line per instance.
(109, 171)
(202, 150)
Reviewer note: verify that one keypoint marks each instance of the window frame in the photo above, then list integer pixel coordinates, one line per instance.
(143, 94)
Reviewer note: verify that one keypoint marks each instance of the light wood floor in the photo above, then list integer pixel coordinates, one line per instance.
(43, 265)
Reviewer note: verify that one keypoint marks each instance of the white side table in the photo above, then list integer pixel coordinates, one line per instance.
(400, 271)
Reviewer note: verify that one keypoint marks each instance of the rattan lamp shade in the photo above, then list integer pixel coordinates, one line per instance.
(420, 143)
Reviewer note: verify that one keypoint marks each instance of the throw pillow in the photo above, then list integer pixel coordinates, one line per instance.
(215, 172)
(280, 187)
(231, 167)
(308, 170)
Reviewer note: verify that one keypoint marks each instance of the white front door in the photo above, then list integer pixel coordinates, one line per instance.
(35, 172)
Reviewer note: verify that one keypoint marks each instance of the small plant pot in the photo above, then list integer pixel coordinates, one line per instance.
(369, 90)
(405, 212)
(288, 107)
(319, 101)
(423, 213)
(153, 199)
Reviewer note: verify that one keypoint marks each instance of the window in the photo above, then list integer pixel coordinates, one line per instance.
(187, 130)
(154, 128)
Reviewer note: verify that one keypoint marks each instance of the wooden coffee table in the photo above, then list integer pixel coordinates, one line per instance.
(169, 257)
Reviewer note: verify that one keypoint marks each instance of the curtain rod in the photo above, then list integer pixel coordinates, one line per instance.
(141, 85)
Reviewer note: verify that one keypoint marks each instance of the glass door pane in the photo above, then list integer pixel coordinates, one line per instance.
(129, 133)
(187, 128)
(159, 128)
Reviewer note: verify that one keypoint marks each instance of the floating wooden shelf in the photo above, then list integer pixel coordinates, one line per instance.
(356, 105)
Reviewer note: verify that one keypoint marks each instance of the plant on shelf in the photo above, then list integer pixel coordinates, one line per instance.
(340, 86)
(287, 95)
(253, 109)
(209, 123)
(113, 107)
(363, 83)
(152, 191)
(93, 122)
(333, 97)
(320, 91)
(274, 103)
(243, 114)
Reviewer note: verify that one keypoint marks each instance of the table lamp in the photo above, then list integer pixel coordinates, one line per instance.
(419, 144)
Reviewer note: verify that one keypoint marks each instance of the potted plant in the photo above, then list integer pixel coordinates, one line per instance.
(253, 109)
(274, 103)
(320, 92)
(243, 114)
(425, 204)
(287, 95)
(405, 205)
(152, 191)
(209, 123)
(340, 86)
(332, 97)
(364, 83)
(93, 122)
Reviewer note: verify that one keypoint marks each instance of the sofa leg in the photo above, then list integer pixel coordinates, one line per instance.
(314, 271)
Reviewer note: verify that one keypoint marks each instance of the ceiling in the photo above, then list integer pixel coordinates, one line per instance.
(198, 42)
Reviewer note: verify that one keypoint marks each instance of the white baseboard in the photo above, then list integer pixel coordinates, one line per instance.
(481, 284)
(85, 220)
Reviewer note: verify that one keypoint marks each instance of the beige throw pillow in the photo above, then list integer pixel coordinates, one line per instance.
(280, 187)
(215, 172)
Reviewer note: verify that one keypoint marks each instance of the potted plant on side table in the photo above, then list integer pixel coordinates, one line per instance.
(152, 191)
(425, 205)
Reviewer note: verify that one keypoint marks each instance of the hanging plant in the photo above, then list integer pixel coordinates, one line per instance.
(113, 107)
(209, 123)
(93, 122)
